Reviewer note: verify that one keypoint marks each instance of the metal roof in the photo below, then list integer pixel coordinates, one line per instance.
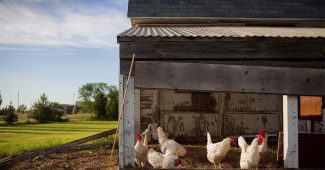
(302, 9)
(224, 31)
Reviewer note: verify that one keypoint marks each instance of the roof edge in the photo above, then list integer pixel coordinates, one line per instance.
(319, 22)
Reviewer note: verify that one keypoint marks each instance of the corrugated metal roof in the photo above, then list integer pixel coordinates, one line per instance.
(217, 31)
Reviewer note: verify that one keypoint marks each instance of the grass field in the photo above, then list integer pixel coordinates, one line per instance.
(16, 139)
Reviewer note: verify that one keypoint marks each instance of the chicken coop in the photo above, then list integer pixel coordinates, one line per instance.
(227, 67)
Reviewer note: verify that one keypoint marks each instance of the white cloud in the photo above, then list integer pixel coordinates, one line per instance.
(22, 24)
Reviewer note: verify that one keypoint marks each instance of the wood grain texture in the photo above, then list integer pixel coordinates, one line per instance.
(319, 64)
(230, 78)
(259, 49)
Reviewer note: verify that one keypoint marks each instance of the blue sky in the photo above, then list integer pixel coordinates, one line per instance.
(55, 46)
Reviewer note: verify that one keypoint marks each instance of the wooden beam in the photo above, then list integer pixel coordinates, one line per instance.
(262, 48)
(125, 64)
(230, 78)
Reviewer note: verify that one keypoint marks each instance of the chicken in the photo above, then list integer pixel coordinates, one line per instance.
(148, 132)
(141, 150)
(250, 156)
(217, 151)
(168, 160)
(171, 158)
(155, 158)
(263, 147)
(163, 140)
(154, 133)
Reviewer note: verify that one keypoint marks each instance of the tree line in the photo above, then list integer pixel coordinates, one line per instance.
(100, 99)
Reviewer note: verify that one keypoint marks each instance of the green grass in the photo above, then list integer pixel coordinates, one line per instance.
(17, 139)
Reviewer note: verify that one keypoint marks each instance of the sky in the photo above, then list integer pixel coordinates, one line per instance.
(56, 46)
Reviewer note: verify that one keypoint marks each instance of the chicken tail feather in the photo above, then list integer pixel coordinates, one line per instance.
(209, 138)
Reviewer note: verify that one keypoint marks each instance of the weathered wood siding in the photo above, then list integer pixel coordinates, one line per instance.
(232, 78)
(192, 114)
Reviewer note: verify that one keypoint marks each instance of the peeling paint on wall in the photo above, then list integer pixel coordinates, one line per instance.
(190, 124)
(185, 115)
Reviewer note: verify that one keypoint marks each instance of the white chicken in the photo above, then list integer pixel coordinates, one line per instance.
(155, 158)
(154, 133)
(168, 160)
(141, 150)
(148, 132)
(163, 140)
(262, 148)
(217, 151)
(249, 157)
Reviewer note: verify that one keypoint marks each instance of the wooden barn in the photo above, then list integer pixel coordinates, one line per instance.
(225, 66)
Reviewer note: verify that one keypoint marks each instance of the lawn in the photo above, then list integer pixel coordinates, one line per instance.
(17, 139)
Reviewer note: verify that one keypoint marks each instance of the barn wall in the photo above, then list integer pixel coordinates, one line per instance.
(191, 114)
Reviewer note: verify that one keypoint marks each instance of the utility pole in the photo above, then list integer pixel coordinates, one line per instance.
(18, 100)
(73, 100)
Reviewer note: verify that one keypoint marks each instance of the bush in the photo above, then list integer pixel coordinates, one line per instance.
(22, 108)
(45, 111)
(8, 114)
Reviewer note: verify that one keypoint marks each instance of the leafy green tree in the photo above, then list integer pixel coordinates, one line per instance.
(112, 104)
(22, 108)
(88, 92)
(100, 104)
(9, 114)
(46, 111)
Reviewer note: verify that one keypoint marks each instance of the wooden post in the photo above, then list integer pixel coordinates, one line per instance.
(290, 131)
(126, 128)
(137, 111)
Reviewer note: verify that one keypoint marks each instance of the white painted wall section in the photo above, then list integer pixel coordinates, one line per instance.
(290, 131)
(127, 125)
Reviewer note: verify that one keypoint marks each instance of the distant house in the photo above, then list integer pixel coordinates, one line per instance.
(226, 66)
(67, 108)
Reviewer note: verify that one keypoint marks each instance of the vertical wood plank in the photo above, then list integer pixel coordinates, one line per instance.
(137, 111)
(290, 131)
(127, 131)
(221, 112)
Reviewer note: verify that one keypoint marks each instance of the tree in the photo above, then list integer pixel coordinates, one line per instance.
(0, 100)
(112, 104)
(9, 114)
(22, 108)
(100, 104)
(46, 111)
(88, 92)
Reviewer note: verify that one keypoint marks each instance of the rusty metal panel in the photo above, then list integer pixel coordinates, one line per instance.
(310, 106)
(191, 124)
(244, 124)
(248, 102)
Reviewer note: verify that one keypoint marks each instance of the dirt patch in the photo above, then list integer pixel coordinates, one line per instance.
(198, 158)
(98, 159)
(89, 159)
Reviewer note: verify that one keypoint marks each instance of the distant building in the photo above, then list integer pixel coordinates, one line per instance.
(67, 108)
